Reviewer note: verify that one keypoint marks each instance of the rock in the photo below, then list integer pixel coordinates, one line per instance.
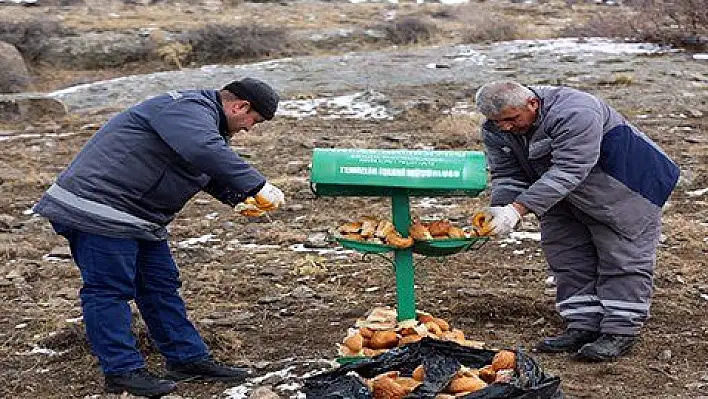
(14, 274)
(664, 355)
(302, 292)
(67, 293)
(14, 77)
(94, 50)
(30, 107)
(263, 393)
(295, 207)
(60, 252)
(268, 299)
(317, 240)
(7, 222)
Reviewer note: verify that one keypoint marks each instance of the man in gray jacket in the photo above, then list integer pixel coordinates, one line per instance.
(597, 184)
(113, 203)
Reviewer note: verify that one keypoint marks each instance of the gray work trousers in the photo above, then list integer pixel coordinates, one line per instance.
(604, 280)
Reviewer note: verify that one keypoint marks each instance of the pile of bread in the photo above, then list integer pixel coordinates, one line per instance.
(380, 331)
(391, 385)
(378, 231)
(373, 230)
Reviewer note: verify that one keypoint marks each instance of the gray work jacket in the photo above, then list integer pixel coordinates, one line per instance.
(143, 165)
(583, 151)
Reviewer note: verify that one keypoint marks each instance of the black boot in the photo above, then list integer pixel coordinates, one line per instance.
(206, 370)
(606, 348)
(138, 382)
(570, 341)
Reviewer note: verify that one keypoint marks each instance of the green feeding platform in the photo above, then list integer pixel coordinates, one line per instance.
(400, 174)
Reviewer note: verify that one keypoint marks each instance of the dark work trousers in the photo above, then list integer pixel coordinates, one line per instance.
(604, 280)
(116, 270)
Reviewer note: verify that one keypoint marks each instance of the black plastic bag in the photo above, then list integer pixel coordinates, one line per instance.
(441, 360)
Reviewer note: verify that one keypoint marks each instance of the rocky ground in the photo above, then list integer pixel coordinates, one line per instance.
(272, 293)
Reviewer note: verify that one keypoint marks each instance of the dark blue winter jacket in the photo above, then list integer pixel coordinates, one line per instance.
(144, 164)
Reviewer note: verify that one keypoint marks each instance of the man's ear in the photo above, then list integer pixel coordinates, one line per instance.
(533, 104)
(245, 106)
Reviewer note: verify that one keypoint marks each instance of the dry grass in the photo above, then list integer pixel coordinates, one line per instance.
(218, 43)
(458, 131)
(682, 23)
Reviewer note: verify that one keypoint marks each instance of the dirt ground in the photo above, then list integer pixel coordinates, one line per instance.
(259, 302)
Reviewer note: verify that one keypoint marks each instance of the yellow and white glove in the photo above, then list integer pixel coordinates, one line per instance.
(504, 219)
(269, 198)
(249, 208)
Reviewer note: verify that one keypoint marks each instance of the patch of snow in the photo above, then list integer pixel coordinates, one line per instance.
(697, 193)
(428, 202)
(9, 137)
(283, 374)
(361, 105)
(190, 242)
(258, 246)
(43, 351)
(239, 392)
(446, 2)
(465, 53)
(700, 56)
(321, 251)
(292, 386)
(50, 258)
(581, 47)
(526, 235)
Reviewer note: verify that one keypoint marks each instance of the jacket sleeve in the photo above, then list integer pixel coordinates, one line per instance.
(508, 179)
(575, 150)
(226, 195)
(190, 128)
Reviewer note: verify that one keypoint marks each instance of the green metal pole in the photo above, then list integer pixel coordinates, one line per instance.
(403, 259)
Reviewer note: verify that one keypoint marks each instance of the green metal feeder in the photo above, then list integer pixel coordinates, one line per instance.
(401, 174)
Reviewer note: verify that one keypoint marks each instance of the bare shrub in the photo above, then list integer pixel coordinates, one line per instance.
(682, 23)
(409, 31)
(491, 30)
(174, 53)
(30, 37)
(481, 27)
(217, 43)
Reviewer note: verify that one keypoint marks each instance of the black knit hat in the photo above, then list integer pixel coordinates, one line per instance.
(262, 97)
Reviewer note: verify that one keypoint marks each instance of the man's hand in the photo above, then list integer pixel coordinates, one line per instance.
(504, 219)
(269, 198)
(249, 208)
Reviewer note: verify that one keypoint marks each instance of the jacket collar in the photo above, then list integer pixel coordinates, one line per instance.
(223, 122)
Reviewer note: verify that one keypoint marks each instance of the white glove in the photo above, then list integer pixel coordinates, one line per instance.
(269, 198)
(504, 219)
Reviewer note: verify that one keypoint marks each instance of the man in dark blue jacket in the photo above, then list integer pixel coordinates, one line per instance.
(114, 201)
